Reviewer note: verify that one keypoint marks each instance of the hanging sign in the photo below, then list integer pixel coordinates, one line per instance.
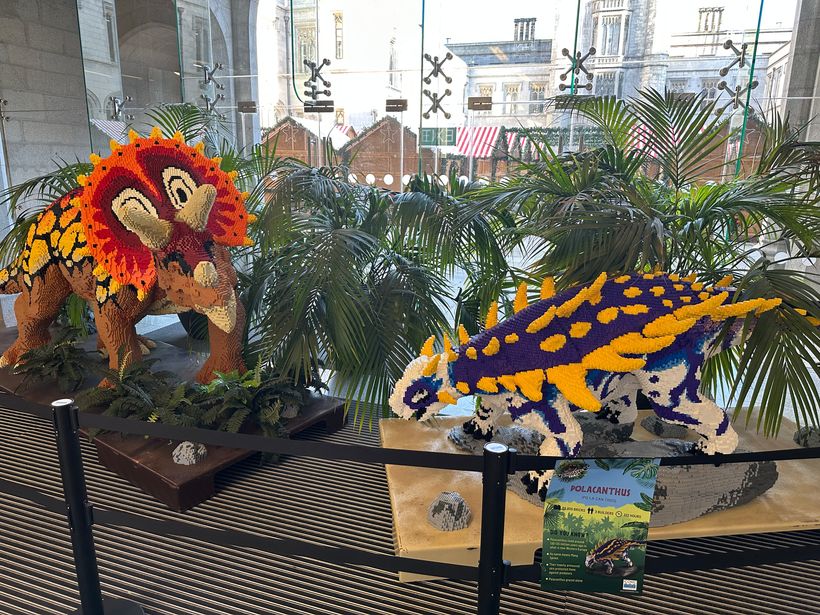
(438, 136)
(596, 520)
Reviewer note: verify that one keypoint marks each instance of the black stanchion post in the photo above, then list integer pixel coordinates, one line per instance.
(80, 517)
(492, 568)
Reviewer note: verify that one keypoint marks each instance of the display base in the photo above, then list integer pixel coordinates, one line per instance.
(146, 462)
(789, 505)
(118, 606)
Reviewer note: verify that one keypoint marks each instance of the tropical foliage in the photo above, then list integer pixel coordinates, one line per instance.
(346, 281)
(659, 195)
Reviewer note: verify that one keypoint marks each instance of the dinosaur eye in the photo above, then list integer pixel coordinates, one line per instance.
(179, 185)
(129, 199)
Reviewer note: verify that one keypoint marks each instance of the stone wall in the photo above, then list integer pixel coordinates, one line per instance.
(41, 76)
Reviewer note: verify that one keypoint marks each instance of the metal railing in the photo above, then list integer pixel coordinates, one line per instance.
(496, 464)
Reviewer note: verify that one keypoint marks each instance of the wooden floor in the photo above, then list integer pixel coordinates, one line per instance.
(333, 503)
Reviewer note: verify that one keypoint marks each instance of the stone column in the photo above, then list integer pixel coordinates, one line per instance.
(243, 20)
(802, 85)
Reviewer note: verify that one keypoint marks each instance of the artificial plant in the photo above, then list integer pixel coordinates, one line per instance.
(658, 195)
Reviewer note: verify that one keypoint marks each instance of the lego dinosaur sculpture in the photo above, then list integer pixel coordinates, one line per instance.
(146, 233)
(586, 348)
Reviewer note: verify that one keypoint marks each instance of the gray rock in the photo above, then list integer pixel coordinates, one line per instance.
(189, 453)
(291, 411)
(659, 427)
(449, 512)
(598, 429)
(807, 437)
(682, 493)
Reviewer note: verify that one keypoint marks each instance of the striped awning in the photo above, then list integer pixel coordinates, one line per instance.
(344, 129)
(477, 141)
(482, 142)
(113, 129)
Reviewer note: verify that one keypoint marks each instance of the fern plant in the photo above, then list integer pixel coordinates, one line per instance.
(61, 361)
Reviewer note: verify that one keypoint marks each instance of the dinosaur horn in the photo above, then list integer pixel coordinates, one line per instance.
(463, 336)
(432, 366)
(198, 208)
(449, 353)
(153, 232)
(427, 349)
(520, 298)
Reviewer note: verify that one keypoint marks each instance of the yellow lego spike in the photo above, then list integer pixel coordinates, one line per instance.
(801, 311)
(114, 145)
(463, 336)
(767, 305)
(216, 160)
(233, 174)
(471, 353)
(432, 366)
(463, 387)
(508, 382)
(605, 358)
(252, 218)
(542, 321)
(725, 280)
(95, 159)
(697, 286)
(548, 288)
(737, 309)
(815, 322)
(635, 343)
(449, 352)
(674, 277)
(570, 380)
(82, 180)
(488, 385)
(492, 316)
(512, 338)
(244, 196)
(590, 292)
(520, 298)
(529, 383)
(445, 397)
(701, 309)
(247, 242)
(200, 147)
(427, 348)
(691, 277)
(141, 294)
(76, 202)
(178, 137)
(156, 132)
(133, 135)
(668, 325)
(492, 347)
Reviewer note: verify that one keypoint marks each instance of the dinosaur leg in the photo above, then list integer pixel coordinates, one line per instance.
(482, 423)
(226, 348)
(145, 346)
(115, 327)
(674, 396)
(36, 308)
(618, 404)
(562, 438)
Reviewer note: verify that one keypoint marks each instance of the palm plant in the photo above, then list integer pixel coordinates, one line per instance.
(641, 202)
(354, 277)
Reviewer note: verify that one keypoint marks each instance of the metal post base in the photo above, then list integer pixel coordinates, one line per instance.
(116, 606)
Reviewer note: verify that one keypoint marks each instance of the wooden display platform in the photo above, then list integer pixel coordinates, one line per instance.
(146, 462)
(792, 504)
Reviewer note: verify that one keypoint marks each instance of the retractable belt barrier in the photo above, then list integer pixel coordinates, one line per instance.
(498, 461)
